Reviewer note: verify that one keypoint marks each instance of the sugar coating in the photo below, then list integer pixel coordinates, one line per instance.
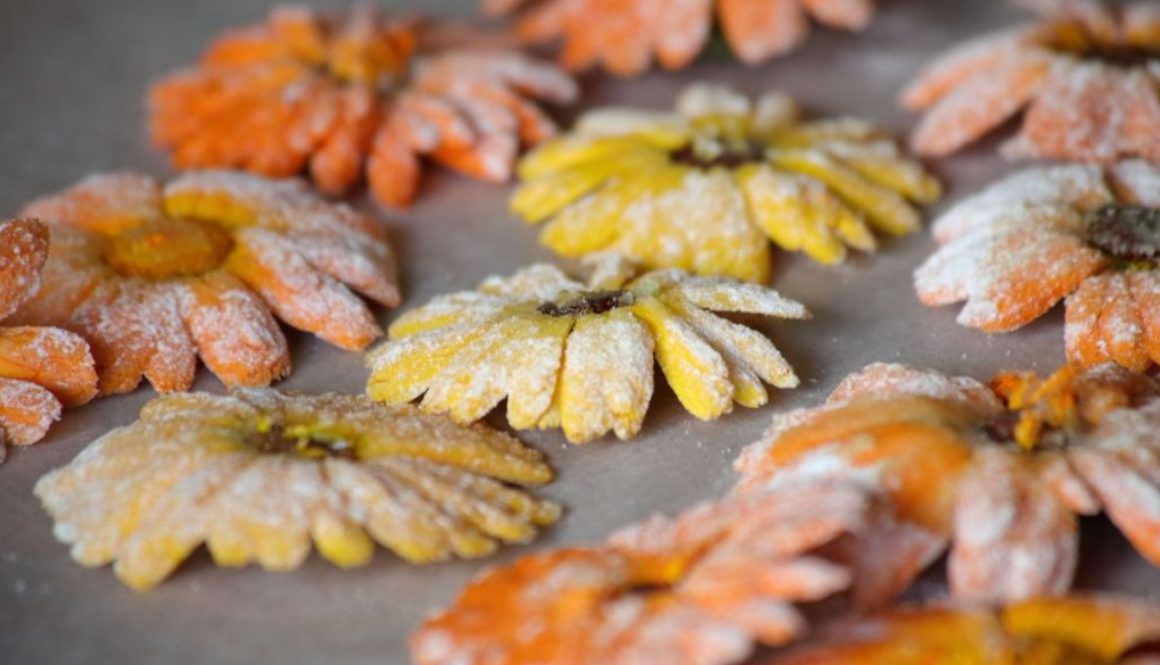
(190, 473)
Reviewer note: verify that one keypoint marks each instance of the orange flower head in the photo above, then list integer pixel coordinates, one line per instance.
(1001, 472)
(337, 95)
(624, 36)
(41, 369)
(698, 589)
(1073, 630)
(1085, 233)
(153, 275)
(1086, 74)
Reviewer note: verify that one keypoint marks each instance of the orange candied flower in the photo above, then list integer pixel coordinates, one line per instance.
(696, 590)
(1087, 233)
(1002, 471)
(1074, 630)
(625, 35)
(41, 369)
(154, 275)
(328, 94)
(1087, 74)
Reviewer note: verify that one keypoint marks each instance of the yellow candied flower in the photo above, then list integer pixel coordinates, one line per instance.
(257, 475)
(580, 356)
(704, 189)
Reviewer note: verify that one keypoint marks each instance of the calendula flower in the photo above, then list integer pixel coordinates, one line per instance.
(1000, 471)
(1041, 631)
(337, 95)
(707, 188)
(257, 475)
(624, 36)
(699, 589)
(1086, 233)
(1086, 73)
(41, 369)
(580, 356)
(154, 275)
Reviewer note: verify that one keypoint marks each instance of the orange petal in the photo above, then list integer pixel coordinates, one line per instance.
(367, 266)
(1127, 487)
(982, 104)
(52, 358)
(681, 31)
(23, 251)
(625, 29)
(107, 203)
(1077, 116)
(758, 29)
(1104, 324)
(393, 168)
(26, 412)
(236, 335)
(958, 66)
(299, 294)
(1108, 627)
(844, 14)
(1013, 538)
(337, 164)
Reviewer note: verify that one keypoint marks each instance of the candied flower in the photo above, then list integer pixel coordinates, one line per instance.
(1002, 471)
(1072, 630)
(325, 94)
(699, 589)
(154, 275)
(1086, 233)
(257, 475)
(580, 357)
(707, 188)
(624, 36)
(1087, 74)
(41, 369)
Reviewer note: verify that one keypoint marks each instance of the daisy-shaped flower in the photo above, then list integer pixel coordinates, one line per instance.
(257, 475)
(1087, 75)
(1086, 233)
(153, 275)
(700, 589)
(1074, 630)
(341, 94)
(41, 369)
(580, 356)
(707, 188)
(1000, 471)
(623, 36)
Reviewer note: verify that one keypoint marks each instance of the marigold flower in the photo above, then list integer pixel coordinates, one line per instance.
(699, 589)
(1044, 631)
(257, 475)
(1087, 73)
(153, 275)
(999, 472)
(1086, 233)
(339, 94)
(41, 369)
(624, 36)
(706, 188)
(580, 356)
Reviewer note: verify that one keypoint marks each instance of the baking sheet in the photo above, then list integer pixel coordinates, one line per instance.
(72, 76)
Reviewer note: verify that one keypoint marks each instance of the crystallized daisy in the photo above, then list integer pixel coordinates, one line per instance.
(154, 275)
(580, 356)
(337, 95)
(700, 589)
(41, 369)
(1087, 73)
(1074, 630)
(1082, 232)
(1000, 471)
(707, 188)
(623, 36)
(258, 475)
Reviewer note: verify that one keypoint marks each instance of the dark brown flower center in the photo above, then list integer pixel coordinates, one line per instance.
(1128, 233)
(707, 153)
(587, 302)
(300, 441)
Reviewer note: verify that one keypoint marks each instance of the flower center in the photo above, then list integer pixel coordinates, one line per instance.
(167, 248)
(706, 152)
(586, 302)
(1078, 42)
(1128, 233)
(305, 441)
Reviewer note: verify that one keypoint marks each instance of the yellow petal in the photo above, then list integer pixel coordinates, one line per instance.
(881, 163)
(795, 212)
(341, 541)
(404, 369)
